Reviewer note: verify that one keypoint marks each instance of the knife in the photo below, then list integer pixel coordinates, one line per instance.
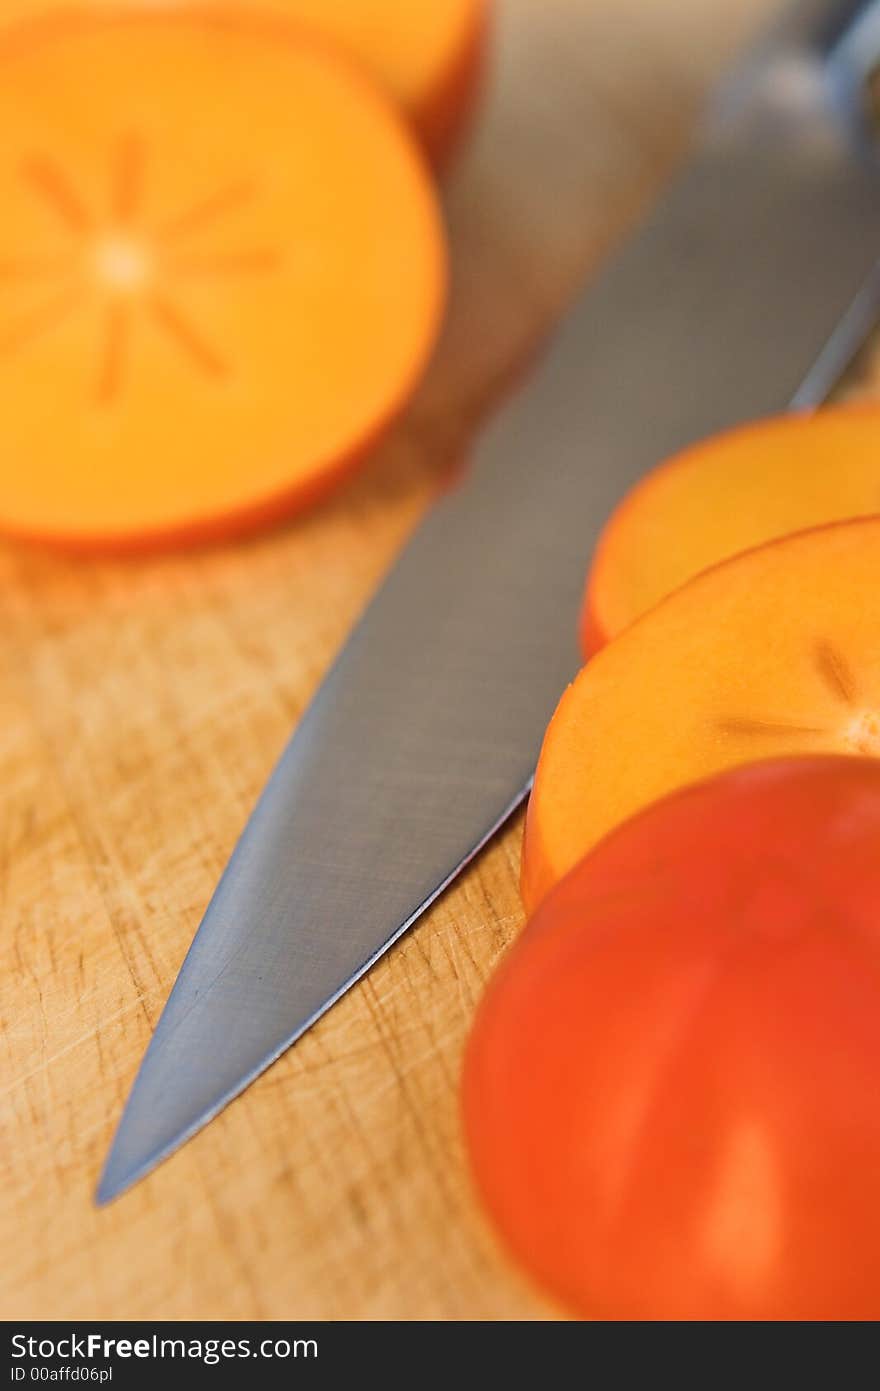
(750, 288)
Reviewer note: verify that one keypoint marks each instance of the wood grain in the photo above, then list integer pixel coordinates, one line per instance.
(142, 705)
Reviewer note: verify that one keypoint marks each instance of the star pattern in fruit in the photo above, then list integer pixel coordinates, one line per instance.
(125, 265)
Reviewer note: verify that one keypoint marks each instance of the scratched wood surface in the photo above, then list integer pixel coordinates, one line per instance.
(141, 708)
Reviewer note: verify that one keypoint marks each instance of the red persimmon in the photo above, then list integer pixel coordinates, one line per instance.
(672, 1090)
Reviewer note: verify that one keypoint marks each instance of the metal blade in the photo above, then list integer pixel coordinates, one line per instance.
(425, 735)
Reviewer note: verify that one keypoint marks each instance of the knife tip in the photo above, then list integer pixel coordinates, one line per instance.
(107, 1190)
(116, 1179)
(128, 1161)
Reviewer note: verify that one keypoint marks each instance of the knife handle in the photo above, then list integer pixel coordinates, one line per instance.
(808, 75)
(818, 25)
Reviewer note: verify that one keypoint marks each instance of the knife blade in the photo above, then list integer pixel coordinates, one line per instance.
(750, 288)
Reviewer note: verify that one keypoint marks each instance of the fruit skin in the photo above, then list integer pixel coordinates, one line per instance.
(725, 495)
(670, 1095)
(445, 115)
(774, 652)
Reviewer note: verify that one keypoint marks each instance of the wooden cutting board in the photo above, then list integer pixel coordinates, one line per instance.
(143, 704)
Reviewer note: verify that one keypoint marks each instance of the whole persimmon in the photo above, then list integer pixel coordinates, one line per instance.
(672, 1090)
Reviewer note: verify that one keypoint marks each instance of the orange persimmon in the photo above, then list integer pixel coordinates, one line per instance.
(725, 495)
(427, 54)
(222, 269)
(776, 651)
(670, 1092)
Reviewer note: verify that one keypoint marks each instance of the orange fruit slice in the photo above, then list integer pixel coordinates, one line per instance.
(725, 495)
(774, 652)
(426, 53)
(222, 270)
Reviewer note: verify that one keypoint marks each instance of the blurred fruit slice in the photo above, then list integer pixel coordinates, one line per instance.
(222, 269)
(725, 495)
(670, 1093)
(774, 652)
(428, 54)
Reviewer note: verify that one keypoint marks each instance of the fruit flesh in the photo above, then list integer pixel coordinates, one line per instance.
(670, 1095)
(427, 55)
(219, 332)
(774, 652)
(726, 495)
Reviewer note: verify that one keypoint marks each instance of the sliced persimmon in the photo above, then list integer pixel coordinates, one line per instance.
(222, 269)
(427, 54)
(670, 1092)
(724, 495)
(774, 652)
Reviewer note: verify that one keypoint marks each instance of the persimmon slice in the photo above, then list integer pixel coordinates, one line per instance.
(725, 495)
(670, 1092)
(774, 652)
(426, 53)
(222, 269)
